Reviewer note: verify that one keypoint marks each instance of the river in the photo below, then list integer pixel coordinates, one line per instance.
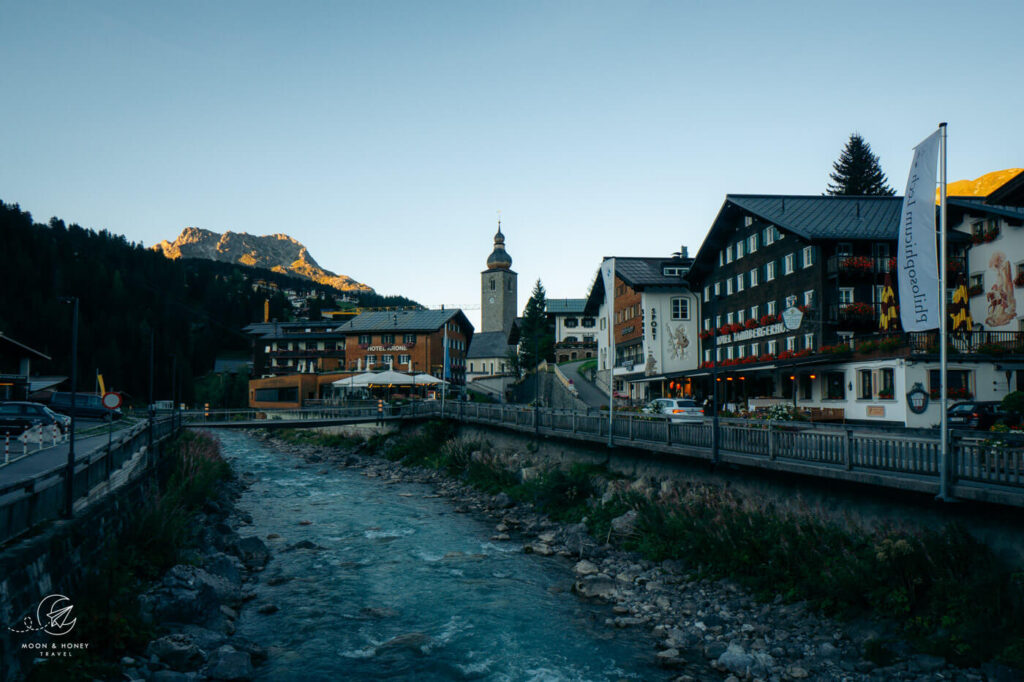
(405, 588)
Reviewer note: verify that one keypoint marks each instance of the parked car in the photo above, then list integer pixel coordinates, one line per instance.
(975, 415)
(679, 409)
(88, 405)
(17, 417)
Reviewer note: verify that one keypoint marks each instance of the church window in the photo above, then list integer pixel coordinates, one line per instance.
(492, 285)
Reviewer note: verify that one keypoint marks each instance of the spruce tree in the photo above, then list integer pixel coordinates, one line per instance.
(536, 335)
(858, 172)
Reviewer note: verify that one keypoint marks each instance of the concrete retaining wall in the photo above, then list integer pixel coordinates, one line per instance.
(56, 561)
(1002, 528)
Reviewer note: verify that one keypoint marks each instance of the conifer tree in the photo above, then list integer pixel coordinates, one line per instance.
(858, 172)
(536, 335)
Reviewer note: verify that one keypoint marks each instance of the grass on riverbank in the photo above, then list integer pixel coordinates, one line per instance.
(152, 541)
(949, 593)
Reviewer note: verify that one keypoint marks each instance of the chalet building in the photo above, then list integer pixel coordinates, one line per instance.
(575, 332)
(409, 341)
(296, 348)
(831, 258)
(487, 360)
(655, 327)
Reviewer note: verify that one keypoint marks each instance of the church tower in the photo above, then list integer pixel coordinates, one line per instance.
(498, 293)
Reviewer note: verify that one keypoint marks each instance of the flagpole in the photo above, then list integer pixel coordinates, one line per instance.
(611, 354)
(944, 388)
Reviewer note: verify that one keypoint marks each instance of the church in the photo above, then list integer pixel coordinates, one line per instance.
(487, 361)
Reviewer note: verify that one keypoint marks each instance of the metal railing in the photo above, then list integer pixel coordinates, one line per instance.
(40, 498)
(899, 459)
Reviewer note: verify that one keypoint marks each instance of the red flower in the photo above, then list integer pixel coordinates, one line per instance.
(751, 324)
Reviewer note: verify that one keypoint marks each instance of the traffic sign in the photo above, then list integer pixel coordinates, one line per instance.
(111, 401)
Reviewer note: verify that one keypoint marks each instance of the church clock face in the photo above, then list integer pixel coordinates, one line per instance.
(490, 300)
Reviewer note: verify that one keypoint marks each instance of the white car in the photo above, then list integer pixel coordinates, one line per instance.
(679, 409)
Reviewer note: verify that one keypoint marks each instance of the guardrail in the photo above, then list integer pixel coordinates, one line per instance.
(34, 439)
(985, 467)
(41, 498)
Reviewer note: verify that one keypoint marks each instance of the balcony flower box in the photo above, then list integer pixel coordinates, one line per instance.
(765, 357)
(725, 330)
(954, 393)
(751, 324)
(857, 312)
(857, 265)
(707, 364)
(985, 237)
(706, 334)
(885, 395)
(838, 349)
(768, 319)
(749, 360)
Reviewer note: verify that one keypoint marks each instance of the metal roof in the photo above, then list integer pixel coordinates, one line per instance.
(489, 345)
(978, 204)
(565, 306)
(826, 217)
(649, 272)
(402, 321)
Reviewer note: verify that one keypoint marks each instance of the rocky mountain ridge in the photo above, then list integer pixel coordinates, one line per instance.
(276, 252)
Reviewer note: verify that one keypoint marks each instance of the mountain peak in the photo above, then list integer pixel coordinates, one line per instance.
(277, 252)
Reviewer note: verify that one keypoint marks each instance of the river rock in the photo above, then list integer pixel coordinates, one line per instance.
(584, 568)
(228, 664)
(303, 544)
(736, 660)
(267, 609)
(252, 551)
(226, 566)
(178, 651)
(502, 501)
(204, 638)
(193, 577)
(540, 548)
(625, 524)
(596, 588)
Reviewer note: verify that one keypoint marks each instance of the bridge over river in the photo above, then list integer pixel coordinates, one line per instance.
(985, 467)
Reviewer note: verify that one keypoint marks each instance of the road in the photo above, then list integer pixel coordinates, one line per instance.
(48, 458)
(589, 393)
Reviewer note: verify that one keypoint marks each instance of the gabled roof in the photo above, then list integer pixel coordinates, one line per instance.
(489, 345)
(810, 217)
(825, 217)
(565, 306)
(22, 347)
(404, 321)
(1010, 194)
(638, 273)
(982, 205)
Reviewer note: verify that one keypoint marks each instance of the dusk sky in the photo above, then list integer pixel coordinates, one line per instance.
(386, 135)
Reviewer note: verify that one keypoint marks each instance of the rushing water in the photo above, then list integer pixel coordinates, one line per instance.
(404, 588)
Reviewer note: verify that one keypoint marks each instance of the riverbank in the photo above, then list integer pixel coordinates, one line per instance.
(700, 625)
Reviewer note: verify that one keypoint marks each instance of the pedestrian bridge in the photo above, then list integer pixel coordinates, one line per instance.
(983, 467)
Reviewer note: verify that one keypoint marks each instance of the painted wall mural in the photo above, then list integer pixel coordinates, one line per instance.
(679, 342)
(1002, 307)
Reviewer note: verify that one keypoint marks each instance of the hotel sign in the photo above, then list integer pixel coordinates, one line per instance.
(755, 333)
(384, 349)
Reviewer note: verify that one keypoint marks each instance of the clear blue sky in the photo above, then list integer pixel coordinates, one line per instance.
(386, 135)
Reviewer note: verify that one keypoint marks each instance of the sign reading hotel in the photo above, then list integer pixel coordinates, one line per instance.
(755, 333)
(384, 349)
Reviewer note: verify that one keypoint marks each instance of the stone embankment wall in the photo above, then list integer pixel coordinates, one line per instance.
(57, 559)
(1001, 528)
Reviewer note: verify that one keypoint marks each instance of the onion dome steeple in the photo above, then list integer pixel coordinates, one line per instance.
(499, 258)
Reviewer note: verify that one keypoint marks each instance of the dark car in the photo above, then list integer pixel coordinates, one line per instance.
(975, 415)
(87, 405)
(18, 417)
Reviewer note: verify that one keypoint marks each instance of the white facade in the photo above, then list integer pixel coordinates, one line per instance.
(994, 266)
(876, 390)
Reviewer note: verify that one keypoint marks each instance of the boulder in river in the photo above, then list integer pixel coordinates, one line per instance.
(413, 642)
(625, 524)
(178, 651)
(252, 551)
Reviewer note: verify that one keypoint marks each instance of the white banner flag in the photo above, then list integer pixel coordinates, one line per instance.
(917, 264)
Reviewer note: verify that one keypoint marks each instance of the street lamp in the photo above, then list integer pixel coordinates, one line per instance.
(70, 473)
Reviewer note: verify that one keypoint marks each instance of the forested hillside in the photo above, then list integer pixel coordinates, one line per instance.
(194, 309)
